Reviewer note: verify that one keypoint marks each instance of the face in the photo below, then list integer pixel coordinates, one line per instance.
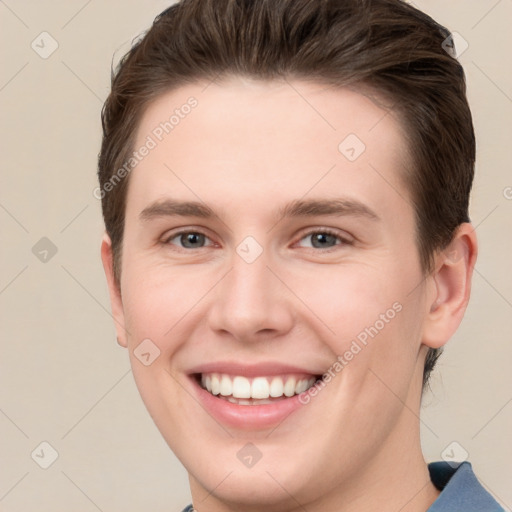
(296, 262)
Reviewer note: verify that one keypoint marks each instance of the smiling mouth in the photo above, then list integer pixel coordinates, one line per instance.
(263, 390)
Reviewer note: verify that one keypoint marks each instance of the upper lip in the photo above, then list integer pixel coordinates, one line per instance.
(251, 370)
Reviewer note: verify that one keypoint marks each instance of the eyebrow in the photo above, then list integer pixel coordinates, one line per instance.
(297, 208)
(337, 207)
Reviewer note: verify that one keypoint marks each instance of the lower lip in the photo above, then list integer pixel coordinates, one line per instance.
(248, 417)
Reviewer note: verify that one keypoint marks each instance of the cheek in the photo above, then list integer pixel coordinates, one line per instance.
(369, 318)
(351, 299)
(155, 299)
(153, 305)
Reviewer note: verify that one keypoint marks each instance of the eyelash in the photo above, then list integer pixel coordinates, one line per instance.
(343, 241)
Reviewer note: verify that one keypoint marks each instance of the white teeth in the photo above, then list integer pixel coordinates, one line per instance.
(241, 387)
(276, 387)
(226, 386)
(215, 384)
(289, 387)
(241, 390)
(301, 386)
(260, 388)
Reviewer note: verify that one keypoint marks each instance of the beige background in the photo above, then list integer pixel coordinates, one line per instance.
(64, 379)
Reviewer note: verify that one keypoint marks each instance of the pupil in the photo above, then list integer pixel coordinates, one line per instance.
(321, 238)
(192, 238)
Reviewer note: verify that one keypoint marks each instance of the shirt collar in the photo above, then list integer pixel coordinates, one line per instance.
(460, 489)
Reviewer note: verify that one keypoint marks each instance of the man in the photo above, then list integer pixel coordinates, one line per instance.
(285, 189)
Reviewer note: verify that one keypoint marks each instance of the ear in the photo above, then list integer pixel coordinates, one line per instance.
(116, 302)
(450, 287)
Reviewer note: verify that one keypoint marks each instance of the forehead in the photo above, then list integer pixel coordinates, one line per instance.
(268, 141)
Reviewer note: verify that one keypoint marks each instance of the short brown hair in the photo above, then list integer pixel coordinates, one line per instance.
(388, 46)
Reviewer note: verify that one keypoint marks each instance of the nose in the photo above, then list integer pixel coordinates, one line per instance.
(251, 303)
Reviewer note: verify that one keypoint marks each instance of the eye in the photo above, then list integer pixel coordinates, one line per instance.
(325, 239)
(187, 239)
(320, 239)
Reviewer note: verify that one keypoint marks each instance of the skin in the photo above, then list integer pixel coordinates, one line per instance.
(247, 149)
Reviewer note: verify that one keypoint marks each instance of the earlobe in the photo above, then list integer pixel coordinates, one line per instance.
(450, 287)
(116, 302)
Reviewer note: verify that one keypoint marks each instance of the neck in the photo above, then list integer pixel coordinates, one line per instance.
(397, 479)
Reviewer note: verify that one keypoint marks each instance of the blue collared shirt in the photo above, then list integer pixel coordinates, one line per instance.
(460, 490)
